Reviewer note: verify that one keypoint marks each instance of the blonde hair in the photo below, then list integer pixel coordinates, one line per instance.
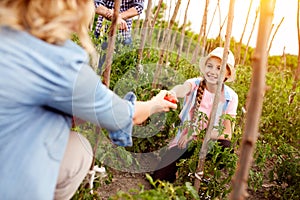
(53, 21)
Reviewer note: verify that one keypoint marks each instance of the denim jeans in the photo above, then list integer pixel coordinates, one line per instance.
(104, 45)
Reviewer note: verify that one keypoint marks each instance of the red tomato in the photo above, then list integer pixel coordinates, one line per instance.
(170, 98)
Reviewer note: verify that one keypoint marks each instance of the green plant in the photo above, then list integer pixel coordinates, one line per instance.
(219, 167)
(277, 148)
(162, 190)
(262, 154)
(279, 118)
(286, 173)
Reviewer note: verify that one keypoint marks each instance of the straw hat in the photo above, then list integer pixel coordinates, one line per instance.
(218, 52)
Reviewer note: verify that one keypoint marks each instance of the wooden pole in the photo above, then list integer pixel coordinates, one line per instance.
(256, 94)
(166, 40)
(182, 33)
(297, 72)
(248, 42)
(204, 147)
(144, 34)
(152, 24)
(271, 42)
(238, 54)
(111, 44)
(202, 33)
(213, 17)
(108, 62)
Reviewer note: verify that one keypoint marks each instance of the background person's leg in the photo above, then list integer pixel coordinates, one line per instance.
(102, 57)
(127, 41)
(74, 166)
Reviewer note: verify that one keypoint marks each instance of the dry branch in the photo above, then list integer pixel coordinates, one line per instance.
(271, 42)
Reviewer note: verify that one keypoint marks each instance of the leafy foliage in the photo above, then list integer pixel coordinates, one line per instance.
(162, 190)
(277, 148)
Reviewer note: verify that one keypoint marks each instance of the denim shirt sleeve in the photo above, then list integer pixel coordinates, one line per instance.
(94, 102)
(90, 100)
(123, 137)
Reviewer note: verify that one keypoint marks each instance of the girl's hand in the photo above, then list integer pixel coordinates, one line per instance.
(184, 140)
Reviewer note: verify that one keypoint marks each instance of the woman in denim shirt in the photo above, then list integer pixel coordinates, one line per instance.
(45, 79)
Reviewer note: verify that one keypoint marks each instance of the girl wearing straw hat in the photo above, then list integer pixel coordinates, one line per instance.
(198, 96)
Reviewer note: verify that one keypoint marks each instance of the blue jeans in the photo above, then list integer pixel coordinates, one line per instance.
(125, 42)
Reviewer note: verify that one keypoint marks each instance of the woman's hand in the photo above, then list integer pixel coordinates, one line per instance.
(143, 109)
(161, 102)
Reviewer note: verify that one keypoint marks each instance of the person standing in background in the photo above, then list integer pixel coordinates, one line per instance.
(128, 10)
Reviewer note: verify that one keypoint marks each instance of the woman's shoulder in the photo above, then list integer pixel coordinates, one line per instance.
(23, 43)
(74, 51)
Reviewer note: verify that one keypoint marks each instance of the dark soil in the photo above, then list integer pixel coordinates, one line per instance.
(126, 182)
(123, 181)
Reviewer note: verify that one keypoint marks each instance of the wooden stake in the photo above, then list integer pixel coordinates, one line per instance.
(256, 95)
(204, 147)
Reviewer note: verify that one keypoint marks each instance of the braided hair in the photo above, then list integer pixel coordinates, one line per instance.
(200, 91)
(199, 96)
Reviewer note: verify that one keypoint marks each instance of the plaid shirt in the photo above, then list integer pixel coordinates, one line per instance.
(125, 5)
